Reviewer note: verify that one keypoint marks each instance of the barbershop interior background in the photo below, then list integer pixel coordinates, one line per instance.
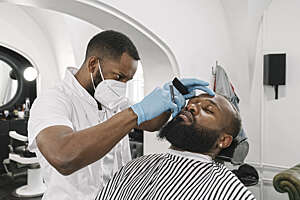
(174, 38)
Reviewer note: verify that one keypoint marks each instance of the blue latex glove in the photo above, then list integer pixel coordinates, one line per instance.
(153, 105)
(191, 84)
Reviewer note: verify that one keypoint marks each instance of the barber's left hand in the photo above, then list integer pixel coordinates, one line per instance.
(191, 84)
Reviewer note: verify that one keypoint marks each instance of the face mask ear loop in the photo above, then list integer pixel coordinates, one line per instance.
(93, 81)
(100, 70)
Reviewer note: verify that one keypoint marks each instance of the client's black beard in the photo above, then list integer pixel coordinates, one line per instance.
(189, 137)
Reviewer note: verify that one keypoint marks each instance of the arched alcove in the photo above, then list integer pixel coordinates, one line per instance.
(157, 58)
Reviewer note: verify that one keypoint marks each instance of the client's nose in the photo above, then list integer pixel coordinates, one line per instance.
(192, 108)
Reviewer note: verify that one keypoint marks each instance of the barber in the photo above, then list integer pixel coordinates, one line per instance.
(79, 128)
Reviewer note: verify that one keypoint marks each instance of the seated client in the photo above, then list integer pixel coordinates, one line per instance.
(188, 171)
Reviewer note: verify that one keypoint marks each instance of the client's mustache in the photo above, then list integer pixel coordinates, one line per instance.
(187, 114)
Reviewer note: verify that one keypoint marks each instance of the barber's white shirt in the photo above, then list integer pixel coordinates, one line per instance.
(69, 104)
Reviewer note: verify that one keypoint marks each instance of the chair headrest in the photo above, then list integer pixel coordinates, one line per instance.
(236, 152)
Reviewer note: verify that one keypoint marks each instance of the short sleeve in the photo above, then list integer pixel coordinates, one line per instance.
(50, 109)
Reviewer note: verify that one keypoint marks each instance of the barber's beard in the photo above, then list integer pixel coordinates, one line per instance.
(189, 137)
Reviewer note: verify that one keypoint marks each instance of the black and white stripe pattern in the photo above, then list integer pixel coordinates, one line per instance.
(172, 177)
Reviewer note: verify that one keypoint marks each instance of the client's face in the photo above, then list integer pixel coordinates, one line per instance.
(199, 124)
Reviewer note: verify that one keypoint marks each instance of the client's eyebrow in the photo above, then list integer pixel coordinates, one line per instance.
(125, 76)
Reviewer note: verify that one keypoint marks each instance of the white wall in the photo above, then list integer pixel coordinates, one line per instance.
(256, 10)
(156, 56)
(195, 31)
(68, 36)
(281, 138)
(277, 137)
(54, 28)
(52, 41)
(241, 74)
(236, 16)
(21, 33)
(80, 33)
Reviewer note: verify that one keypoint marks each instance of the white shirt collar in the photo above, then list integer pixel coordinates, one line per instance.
(72, 82)
(190, 155)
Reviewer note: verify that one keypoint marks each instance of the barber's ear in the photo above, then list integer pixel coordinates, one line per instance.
(92, 64)
(225, 141)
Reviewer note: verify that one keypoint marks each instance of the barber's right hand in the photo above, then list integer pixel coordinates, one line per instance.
(153, 105)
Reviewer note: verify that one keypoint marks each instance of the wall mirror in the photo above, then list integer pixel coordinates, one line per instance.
(8, 83)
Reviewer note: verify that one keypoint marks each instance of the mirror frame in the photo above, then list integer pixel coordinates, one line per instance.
(11, 62)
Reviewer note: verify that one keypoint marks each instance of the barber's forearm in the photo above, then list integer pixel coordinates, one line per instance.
(89, 145)
(156, 123)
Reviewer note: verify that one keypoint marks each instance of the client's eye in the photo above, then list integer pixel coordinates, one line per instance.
(120, 77)
(208, 109)
(117, 77)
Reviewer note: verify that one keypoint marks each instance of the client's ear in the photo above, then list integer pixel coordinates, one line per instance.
(225, 141)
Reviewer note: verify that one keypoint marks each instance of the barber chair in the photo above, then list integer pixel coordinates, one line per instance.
(288, 181)
(136, 149)
(20, 156)
(136, 138)
(236, 154)
(238, 150)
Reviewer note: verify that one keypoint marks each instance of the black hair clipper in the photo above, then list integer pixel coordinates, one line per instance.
(179, 86)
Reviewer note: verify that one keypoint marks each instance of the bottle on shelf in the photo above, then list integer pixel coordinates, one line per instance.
(27, 108)
(20, 112)
(15, 112)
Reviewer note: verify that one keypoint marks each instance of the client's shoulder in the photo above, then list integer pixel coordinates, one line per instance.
(146, 161)
(223, 170)
(149, 158)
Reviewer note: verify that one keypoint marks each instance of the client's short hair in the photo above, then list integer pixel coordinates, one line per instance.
(236, 123)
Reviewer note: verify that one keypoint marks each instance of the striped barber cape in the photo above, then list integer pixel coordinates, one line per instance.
(174, 176)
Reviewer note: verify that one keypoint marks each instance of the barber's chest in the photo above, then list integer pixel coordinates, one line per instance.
(86, 115)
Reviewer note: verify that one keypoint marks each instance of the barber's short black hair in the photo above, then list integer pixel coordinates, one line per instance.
(111, 44)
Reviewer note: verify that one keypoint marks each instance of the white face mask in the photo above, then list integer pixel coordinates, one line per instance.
(110, 93)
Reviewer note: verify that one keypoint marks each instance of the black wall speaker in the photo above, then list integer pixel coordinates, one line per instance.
(274, 69)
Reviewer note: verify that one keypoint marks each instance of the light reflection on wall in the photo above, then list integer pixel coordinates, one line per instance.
(135, 87)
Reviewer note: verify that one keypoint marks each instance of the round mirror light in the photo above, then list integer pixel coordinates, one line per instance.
(30, 74)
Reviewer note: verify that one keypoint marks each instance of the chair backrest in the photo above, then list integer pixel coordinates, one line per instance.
(136, 149)
(288, 181)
